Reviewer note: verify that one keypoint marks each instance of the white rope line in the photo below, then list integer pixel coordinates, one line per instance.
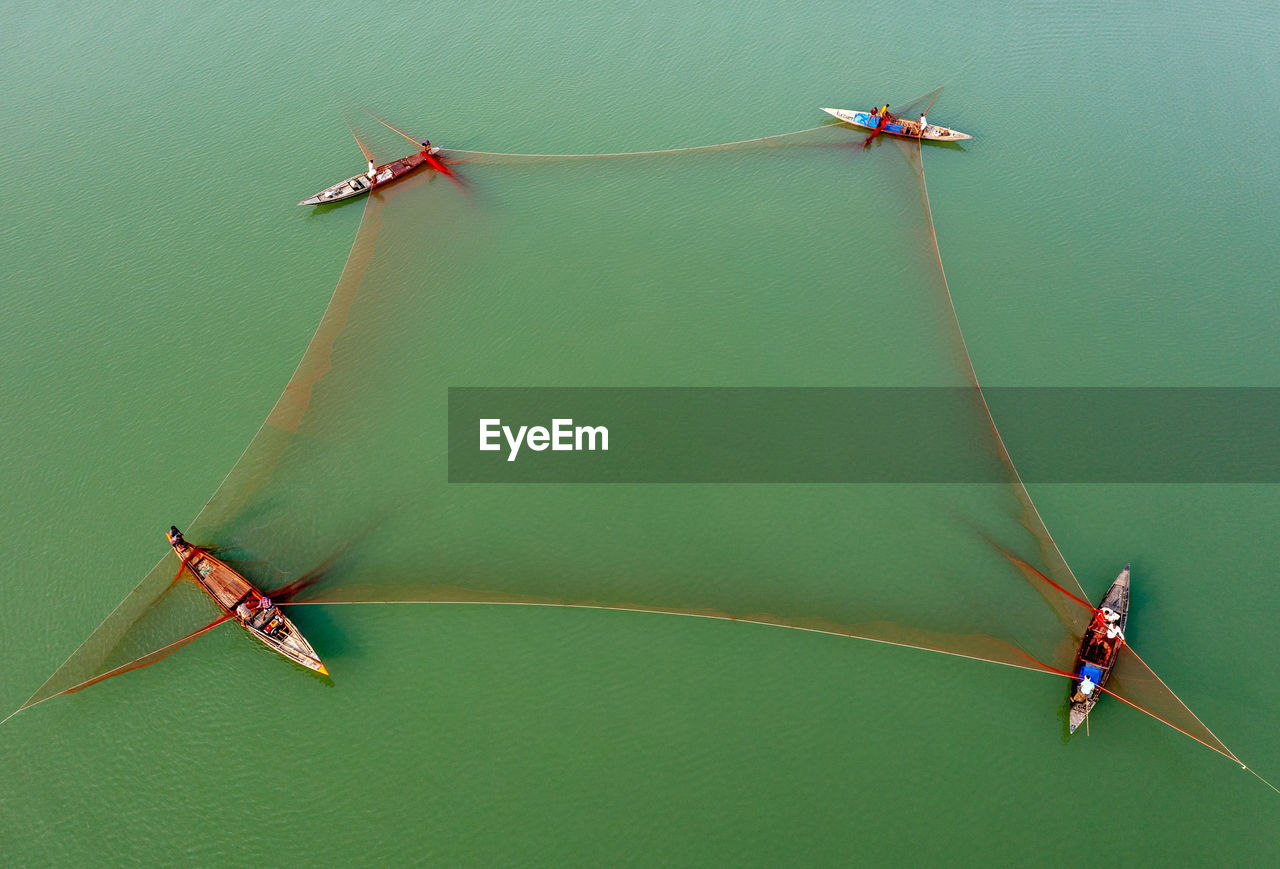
(638, 153)
(665, 612)
(191, 638)
(973, 375)
(1018, 479)
(1185, 706)
(363, 217)
(303, 359)
(771, 624)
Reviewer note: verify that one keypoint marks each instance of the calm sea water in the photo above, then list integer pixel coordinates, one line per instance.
(1112, 223)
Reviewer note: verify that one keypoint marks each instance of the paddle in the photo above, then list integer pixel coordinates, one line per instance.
(368, 155)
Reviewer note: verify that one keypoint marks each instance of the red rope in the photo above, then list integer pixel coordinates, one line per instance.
(142, 661)
(1018, 561)
(1051, 669)
(884, 119)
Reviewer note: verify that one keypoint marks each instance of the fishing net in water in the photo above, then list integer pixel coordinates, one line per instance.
(921, 105)
(796, 139)
(798, 261)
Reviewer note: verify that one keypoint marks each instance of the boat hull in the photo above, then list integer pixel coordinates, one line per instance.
(1096, 651)
(901, 127)
(239, 598)
(358, 185)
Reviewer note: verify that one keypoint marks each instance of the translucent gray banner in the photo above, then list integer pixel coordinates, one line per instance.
(862, 435)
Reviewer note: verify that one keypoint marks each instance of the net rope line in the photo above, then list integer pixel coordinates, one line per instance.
(1025, 566)
(1034, 666)
(659, 611)
(1019, 486)
(930, 96)
(649, 153)
(1156, 676)
(1224, 751)
(1146, 672)
(933, 237)
(163, 652)
(1146, 666)
(1227, 753)
(285, 395)
(1026, 496)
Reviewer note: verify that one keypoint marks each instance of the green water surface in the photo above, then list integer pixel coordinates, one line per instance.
(1112, 223)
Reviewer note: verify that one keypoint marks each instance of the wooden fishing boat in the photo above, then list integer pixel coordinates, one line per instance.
(1097, 656)
(382, 176)
(238, 597)
(904, 127)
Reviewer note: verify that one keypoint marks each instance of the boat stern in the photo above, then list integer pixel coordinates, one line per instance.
(294, 646)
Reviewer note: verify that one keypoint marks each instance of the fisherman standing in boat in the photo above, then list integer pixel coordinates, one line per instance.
(1103, 619)
(1114, 634)
(372, 171)
(924, 125)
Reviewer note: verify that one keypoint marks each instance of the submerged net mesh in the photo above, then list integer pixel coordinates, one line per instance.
(922, 104)
(350, 468)
(798, 138)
